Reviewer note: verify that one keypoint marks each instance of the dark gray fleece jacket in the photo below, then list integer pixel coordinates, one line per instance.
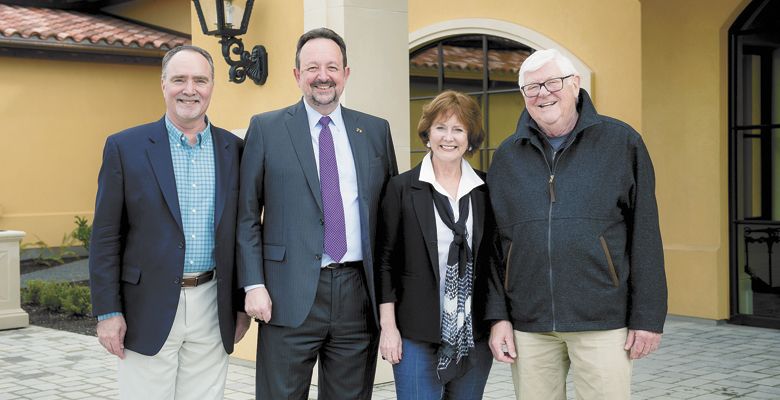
(579, 229)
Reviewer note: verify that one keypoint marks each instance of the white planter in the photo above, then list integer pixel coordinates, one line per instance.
(11, 313)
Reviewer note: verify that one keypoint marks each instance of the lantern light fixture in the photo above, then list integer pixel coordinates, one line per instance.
(228, 19)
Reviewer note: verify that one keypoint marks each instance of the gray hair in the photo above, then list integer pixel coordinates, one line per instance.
(540, 58)
(172, 52)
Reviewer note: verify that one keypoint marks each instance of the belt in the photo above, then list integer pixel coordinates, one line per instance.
(348, 264)
(192, 281)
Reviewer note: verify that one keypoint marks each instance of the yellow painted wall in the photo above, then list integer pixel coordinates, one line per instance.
(276, 24)
(171, 14)
(685, 73)
(604, 34)
(56, 115)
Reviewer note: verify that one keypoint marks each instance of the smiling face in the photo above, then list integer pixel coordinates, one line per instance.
(187, 87)
(448, 139)
(322, 75)
(557, 111)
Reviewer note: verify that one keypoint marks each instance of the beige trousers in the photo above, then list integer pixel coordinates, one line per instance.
(192, 363)
(601, 368)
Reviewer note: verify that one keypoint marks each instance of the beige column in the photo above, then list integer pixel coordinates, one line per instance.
(377, 37)
(11, 313)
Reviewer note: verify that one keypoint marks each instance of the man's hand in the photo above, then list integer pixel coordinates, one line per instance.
(641, 343)
(502, 342)
(258, 304)
(111, 334)
(242, 325)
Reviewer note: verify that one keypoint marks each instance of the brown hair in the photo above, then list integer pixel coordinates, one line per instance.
(320, 33)
(455, 103)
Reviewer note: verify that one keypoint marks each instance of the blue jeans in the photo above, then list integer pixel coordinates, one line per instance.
(416, 379)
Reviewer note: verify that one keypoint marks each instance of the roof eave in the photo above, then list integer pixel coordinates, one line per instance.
(93, 48)
(72, 51)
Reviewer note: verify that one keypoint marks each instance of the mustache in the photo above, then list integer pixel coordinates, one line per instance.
(320, 82)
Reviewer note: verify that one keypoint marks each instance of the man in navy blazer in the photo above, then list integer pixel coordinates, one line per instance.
(162, 251)
(314, 171)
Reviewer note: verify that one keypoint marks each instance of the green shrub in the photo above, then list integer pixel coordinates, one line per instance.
(32, 293)
(82, 232)
(51, 295)
(59, 296)
(76, 300)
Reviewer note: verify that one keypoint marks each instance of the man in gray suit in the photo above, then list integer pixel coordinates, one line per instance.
(315, 172)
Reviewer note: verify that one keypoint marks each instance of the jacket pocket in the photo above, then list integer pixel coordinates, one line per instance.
(610, 264)
(506, 269)
(273, 252)
(131, 275)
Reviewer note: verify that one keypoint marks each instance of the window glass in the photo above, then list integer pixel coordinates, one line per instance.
(458, 63)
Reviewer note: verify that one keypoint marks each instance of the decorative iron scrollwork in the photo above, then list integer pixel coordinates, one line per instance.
(254, 64)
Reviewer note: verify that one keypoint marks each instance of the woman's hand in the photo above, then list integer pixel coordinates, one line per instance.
(390, 346)
(389, 338)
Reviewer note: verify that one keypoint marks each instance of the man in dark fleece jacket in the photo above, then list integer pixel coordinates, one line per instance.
(583, 279)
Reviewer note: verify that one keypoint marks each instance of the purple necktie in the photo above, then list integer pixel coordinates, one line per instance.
(335, 231)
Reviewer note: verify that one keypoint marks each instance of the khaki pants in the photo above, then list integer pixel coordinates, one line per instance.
(601, 368)
(192, 363)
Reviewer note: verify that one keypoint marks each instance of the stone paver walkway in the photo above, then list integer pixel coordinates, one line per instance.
(697, 360)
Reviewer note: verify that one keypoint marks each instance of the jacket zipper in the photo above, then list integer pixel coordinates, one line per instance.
(506, 271)
(551, 185)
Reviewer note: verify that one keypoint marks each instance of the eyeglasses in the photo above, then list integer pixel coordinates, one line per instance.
(552, 85)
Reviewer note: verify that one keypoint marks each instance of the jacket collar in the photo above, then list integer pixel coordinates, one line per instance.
(528, 129)
(159, 154)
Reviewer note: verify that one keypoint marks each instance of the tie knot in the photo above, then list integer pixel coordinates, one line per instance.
(324, 121)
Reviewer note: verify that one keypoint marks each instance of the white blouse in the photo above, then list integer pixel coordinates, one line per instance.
(444, 236)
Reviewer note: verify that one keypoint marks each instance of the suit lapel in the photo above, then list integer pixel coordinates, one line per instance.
(357, 143)
(159, 153)
(300, 134)
(422, 200)
(223, 168)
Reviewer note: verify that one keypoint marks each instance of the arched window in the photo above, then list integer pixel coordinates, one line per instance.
(458, 63)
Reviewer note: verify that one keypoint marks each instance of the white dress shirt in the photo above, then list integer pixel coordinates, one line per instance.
(444, 236)
(347, 178)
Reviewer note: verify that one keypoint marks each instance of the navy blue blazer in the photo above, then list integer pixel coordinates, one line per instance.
(136, 254)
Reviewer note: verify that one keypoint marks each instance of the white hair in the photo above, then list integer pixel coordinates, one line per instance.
(540, 58)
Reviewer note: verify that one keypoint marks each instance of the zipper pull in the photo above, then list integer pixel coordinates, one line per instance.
(552, 188)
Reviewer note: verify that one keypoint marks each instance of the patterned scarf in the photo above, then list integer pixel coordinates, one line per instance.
(457, 336)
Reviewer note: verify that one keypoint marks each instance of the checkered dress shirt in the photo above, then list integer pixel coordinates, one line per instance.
(194, 169)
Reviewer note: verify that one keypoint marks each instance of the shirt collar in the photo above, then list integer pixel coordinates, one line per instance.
(177, 136)
(468, 178)
(314, 116)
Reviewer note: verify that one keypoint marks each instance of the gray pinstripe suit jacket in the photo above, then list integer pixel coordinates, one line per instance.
(279, 180)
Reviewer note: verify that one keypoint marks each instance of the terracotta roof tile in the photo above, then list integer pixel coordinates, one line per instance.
(47, 24)
(470, 59)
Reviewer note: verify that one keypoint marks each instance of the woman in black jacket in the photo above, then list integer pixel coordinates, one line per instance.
(435, 246)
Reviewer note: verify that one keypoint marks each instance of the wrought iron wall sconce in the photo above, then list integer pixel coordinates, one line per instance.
(219, 18)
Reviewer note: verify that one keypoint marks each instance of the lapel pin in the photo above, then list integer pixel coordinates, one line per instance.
(358, 130)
